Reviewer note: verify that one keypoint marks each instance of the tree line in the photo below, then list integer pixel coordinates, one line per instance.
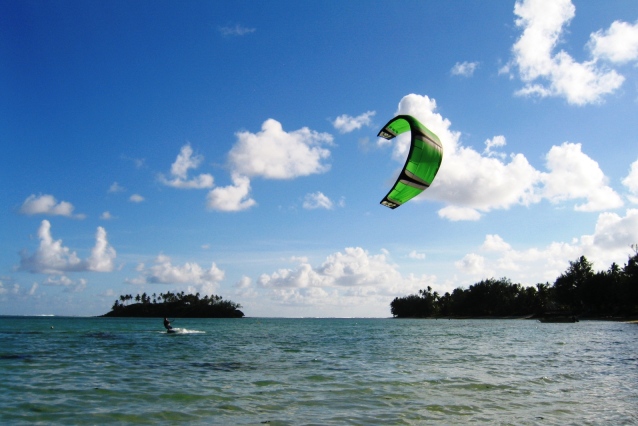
(578, 291)
(171, 304)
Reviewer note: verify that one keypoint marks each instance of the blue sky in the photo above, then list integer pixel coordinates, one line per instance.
(230, 148)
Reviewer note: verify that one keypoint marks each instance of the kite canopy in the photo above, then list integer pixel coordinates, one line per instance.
(424, 159)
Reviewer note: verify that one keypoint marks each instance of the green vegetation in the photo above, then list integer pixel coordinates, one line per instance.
(173, 305)
(578, 291)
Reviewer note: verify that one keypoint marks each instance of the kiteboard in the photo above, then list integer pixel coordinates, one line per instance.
(171, 330)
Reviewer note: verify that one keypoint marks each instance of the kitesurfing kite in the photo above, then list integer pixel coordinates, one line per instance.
(424, 159)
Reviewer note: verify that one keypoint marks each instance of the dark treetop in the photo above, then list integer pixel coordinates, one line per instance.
(579, 291)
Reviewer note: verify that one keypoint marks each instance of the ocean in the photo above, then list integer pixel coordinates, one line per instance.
(255, 371)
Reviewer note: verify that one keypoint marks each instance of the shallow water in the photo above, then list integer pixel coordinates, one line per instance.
(317, 371)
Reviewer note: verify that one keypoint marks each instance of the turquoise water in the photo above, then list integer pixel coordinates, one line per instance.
(317, 372)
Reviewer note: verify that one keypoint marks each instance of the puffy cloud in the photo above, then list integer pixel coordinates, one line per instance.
(574, 175)
(416, 255)
(618, 44)
(164, 272)
(631, 182)
(495, 243)
(102, 254)
(496, 142)
(464, 69)
(473, 264)
(179, 171)
(232, 198)
(346, 124)
(51, 257)
(556, 74)
(274, 153)
(610, 242)
(471, 183)
(136, 198)
(317, 200)
(107, 216)
(353, 273)
(47, 204)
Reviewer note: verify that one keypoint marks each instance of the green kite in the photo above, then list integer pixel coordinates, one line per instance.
(424, 159)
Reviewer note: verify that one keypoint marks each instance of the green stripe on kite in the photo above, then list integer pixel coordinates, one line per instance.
(422, 164)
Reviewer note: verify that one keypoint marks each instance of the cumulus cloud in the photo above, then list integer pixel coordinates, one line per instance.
(631, 182)
(107, 216)
(618, 44)
(232, 198)
(609, 242)
(162, 271)
(496, 142)
(51, 257)
(574, 175)
(346, 123)
(549, 73)
(47, 204)
(464, 69)
(102, 254)
(136, 198)
(416, 255)
(179, 171)
(345, 278)
(317, 200)
(274, 153)
(471, 183)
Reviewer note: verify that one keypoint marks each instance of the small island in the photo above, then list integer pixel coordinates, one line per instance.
(175, 305)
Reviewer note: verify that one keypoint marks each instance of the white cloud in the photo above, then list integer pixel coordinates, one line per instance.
(496, 142)
(274, 153)
(236, 30)
(353, 278)
(115, 187)
(317, 200)
(47, 204)
(473, 264)
(618, 44)
(574, 175)
(179, 171)
(546, 73)
(107, 216)
(631, 182)
(455, 213)
(495, 243)
(68, 284)
(232, 198)
(465, 69)
(471, 183)
(136, 198)
(164, 272)
(102, 254)
(346, 123)
(416, 255)
(51, 257)
(610, 242)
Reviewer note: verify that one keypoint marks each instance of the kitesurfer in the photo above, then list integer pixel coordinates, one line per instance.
(167, 324)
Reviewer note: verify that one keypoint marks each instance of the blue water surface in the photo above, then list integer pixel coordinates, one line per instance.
(74, 371)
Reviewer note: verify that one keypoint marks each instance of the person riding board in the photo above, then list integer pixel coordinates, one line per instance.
(167, 324)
